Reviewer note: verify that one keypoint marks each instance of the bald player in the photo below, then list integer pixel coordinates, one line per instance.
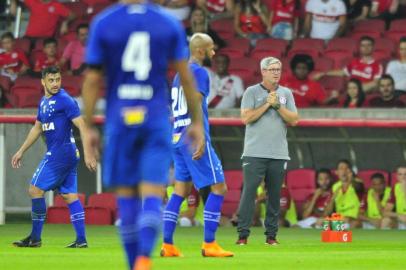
(202, 172)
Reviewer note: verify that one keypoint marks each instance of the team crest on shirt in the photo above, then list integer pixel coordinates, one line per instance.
(51, 9)
(52, 102)
(282, 100)
(368, 70)
(304, 88)
(14, 55)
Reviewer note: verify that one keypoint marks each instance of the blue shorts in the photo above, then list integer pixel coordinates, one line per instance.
(205, 171)
(139, 154)
(52, 174)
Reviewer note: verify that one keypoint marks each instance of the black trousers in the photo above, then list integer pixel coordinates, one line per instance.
(272, 171)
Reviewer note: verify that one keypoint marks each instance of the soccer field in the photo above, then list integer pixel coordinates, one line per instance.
(299, 249)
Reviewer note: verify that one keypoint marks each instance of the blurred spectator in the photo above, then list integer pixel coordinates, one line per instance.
(284, 18)
(199, 24)
(307, 92)
(387, 98)
(373, 203)
(384, 9)
(191, 212)
(13, 62)
(364, 68)
(355, 97)
(217, 9)
(357, 10)
(226, 90)
(325, 19)
(180, 9)
(346, 195)
(287, 212)
(49, 56)
(44, 18)
(74, 52)
(251, 20)
(397, 68)
(395, 209)
(314, 207)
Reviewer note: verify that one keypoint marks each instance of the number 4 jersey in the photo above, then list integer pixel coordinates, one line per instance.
(179, 106)
(134, 43)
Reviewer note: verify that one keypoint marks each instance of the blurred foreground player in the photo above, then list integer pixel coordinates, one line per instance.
(58, 169)
(132, 43)
(202, 171)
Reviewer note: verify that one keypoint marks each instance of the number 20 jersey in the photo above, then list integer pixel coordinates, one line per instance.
(134, 42)
(180, 111)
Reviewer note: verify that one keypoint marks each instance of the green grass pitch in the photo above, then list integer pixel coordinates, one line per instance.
(299, 249)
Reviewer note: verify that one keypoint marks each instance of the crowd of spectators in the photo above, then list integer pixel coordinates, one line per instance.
(370, 76)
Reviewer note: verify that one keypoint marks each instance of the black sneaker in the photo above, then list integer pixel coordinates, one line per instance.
(27, 242)
(271, 241)
(242, 241)
(75, 244)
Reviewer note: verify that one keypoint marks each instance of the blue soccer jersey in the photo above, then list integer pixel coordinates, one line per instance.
(134, 43)
(180, 111)
(58, 167)
(207, 170)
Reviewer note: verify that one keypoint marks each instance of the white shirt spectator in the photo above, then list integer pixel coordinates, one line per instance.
(325, 17)
(224, 92)
(397, 70)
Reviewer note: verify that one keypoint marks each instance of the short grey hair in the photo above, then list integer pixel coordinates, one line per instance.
(267, 61)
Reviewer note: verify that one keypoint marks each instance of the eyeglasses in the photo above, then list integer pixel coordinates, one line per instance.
(274, 70)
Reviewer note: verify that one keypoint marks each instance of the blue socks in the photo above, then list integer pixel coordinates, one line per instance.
(212, 214)
(149, 224)
(129, 209)
(38, 214)
(77, 217)
(171, 214)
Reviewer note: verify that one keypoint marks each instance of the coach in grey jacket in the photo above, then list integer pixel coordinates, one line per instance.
(266, 109)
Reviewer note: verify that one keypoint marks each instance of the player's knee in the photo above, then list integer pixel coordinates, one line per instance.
(35, 192)
(182, 189)
(219, 189)
(69, 197)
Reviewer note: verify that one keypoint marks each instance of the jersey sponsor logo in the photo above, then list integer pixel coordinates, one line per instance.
(182, 123)
(52, 102)
(135, 91)
(282, 100)
(48, 126)
(134, 115)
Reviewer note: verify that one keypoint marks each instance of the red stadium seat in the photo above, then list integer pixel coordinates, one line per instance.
(59, 212)
(333, 83)
(395, 35)
(237, 47)
(340, 58)
(393, 178)
(22, 44)
(272, 44)
(345, 44)
(25, 93)
(370, 25)
(58, 200)
(314, 53)
(398, 25)
(5, 83)
(72, 84)
(371, 33)
(385, 44)
(308, 43)
(260, 54)
(229, 209)
(224, 28)
(78, 8)
(244, 67)
(370, 97)
(323, 64)
(233, 196)
(382, 55)
(101, 209)
(301, 183)
(58, 215)
(365, 175)
(234, 179)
